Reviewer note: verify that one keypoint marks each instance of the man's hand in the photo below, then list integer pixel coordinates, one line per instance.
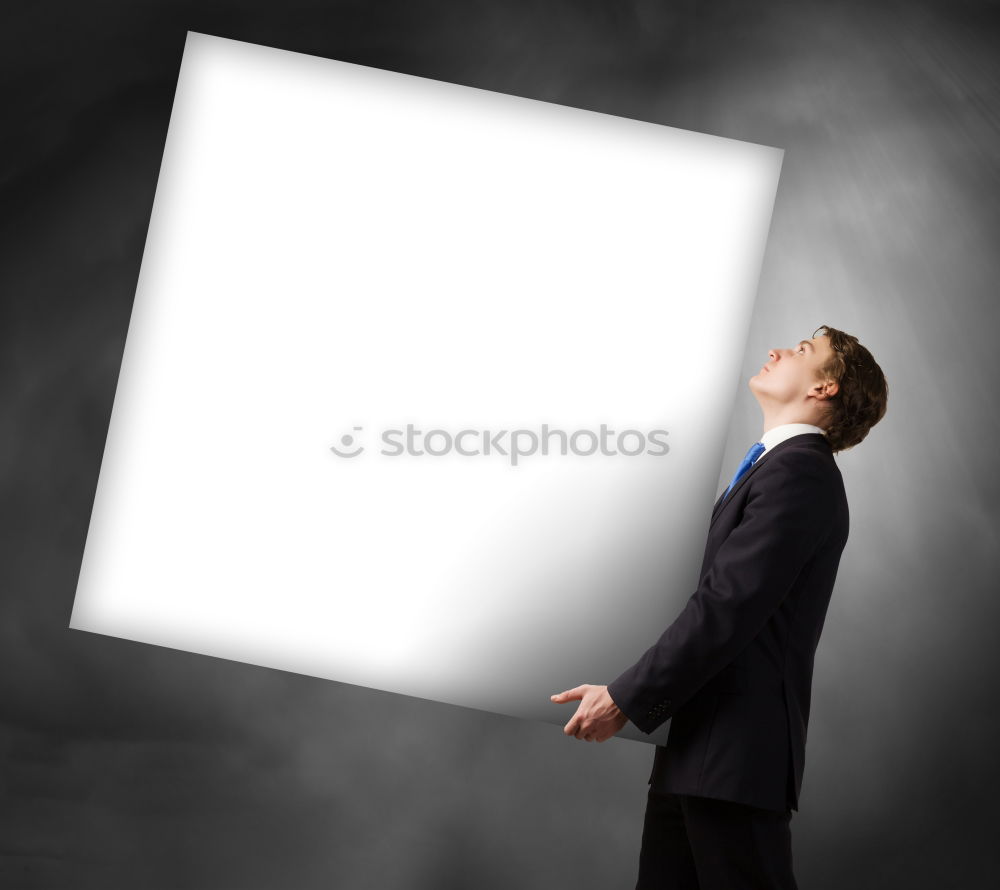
(597, 718)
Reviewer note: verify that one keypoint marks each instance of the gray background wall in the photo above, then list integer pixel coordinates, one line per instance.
(128, 765)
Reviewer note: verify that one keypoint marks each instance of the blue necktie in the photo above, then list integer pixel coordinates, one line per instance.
(756, 450)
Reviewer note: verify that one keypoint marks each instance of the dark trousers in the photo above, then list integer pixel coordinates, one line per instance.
(696, 843)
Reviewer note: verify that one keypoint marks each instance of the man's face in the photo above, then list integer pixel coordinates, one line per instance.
(792, 374)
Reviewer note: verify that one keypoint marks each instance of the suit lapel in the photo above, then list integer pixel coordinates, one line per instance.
(718, 504)
(726, 498)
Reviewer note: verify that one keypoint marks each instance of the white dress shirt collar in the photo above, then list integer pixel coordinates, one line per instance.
(778, 434)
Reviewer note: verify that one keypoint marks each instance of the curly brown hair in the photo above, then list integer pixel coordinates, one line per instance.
(861, 398)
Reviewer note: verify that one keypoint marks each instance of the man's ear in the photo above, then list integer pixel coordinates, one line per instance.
(822, 390)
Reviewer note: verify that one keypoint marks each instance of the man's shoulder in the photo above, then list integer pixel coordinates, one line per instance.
(807, 457)
(806, 449)
(801, 479)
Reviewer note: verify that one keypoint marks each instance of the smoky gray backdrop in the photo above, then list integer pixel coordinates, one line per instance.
(124, 765)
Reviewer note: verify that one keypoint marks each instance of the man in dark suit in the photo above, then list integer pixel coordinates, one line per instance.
(733, 672)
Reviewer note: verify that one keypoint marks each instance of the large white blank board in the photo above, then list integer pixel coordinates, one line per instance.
(336, 252)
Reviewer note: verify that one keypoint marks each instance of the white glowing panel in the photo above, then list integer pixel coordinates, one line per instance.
(337, 253)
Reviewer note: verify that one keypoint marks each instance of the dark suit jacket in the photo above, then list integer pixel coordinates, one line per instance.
(734, 670)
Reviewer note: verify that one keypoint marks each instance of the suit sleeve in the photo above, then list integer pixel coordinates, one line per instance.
(789, 511)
